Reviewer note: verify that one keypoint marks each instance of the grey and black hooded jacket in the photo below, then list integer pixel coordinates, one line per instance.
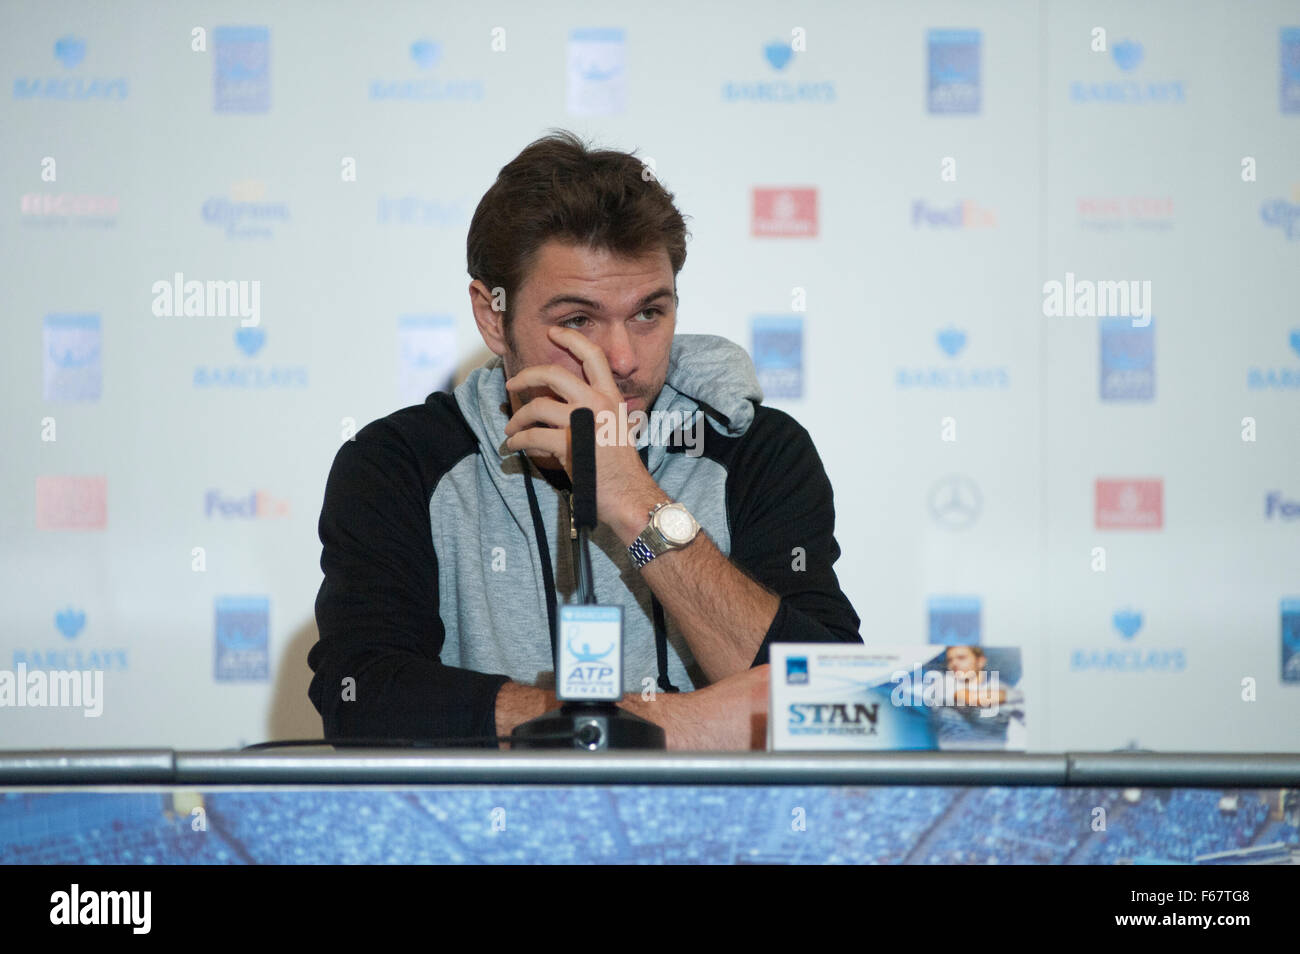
(444, 557)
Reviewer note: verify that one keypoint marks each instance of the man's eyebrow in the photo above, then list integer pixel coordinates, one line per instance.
(566, 299)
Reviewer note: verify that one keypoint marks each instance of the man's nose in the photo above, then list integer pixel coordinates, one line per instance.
(617, 345)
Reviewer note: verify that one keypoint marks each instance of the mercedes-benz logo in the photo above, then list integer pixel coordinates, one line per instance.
(955, 502)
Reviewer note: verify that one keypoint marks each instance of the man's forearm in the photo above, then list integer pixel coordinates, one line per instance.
(518, 703)
(723, 614)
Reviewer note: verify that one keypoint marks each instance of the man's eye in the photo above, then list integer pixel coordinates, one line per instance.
(569, 322)
(652, 311)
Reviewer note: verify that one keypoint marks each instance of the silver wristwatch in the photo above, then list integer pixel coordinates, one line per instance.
(671, 527)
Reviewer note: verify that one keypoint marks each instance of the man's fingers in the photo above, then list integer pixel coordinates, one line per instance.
(562, 382)
(594, 363)
(542, 410)
(545, 440)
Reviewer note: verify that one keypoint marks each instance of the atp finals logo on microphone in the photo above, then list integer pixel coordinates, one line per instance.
(591, 656)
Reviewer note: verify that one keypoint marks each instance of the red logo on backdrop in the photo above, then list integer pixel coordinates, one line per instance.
(1136, 504)
(789, 213)
(71, 503)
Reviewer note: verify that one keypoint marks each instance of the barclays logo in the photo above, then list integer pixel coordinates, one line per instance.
(426, 54)
(1128, 55)
(1279, 378)
(70, 52)
(250, 340)
(70, 622)
(1127, 622)
(778, 54)
(250, 376)
(1128, 660)
(951, 342)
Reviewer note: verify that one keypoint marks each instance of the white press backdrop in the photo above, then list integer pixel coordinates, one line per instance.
(163, 476)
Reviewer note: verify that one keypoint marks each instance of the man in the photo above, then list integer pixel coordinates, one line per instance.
(986, 715)
(446, 526)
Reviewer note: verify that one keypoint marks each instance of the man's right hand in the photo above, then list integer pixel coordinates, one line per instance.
(730, 715)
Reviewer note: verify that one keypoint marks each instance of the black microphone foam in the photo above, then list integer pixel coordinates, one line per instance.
(582, 428)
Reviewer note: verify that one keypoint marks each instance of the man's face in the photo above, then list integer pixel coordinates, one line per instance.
(625, 305)
(963, 661)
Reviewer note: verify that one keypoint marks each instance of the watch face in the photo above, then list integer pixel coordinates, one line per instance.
(676, 525)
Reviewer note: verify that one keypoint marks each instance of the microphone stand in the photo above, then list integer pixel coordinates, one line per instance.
(586, 724)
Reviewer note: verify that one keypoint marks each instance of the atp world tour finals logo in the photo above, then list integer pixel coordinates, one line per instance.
(597, 72)
(954, 620)
(241, 70)
(71, 358)
(242, 638)
(1289, 67)
(778, 355)
(1128, 360)
(954, 72)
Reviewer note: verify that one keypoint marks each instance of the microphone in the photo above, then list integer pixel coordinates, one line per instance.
(589, 664)
(582, 439)
(582, 427)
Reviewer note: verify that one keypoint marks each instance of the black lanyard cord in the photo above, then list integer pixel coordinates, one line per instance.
(548, 580)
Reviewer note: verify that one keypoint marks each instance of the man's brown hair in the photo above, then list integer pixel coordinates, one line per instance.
(558, 188)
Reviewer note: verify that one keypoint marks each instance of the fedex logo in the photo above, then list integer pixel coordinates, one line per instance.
(257, 505)
(1276, 506)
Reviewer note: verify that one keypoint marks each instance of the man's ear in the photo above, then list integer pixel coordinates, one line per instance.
(489, 314)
